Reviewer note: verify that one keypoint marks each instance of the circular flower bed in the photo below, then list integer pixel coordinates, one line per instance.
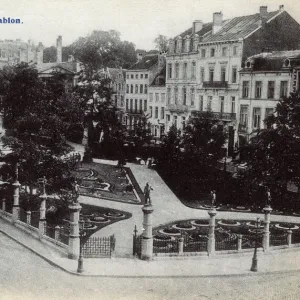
(183, 226)
(207, 207)
(286, 226)
(198, 237)
(240, 208)
(229, 223)
(114, 215)
(170, 231)
(252, 224)
(162, 238)
(99, 219)
(200, 223)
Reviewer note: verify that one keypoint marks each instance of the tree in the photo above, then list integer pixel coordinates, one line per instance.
(161, 43)
(37, 115)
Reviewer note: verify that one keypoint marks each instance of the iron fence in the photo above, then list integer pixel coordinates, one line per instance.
(137, 245)
(165, 246)
(278, 239)
(248, 241)
(226, 243)
(35, 218)
(296, 237)
(195, 246)
(49, 231)
(96, 247)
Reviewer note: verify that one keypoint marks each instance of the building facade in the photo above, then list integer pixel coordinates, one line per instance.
(265, 79)
(203, 63)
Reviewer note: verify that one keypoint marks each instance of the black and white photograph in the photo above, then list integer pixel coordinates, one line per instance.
(149, 149)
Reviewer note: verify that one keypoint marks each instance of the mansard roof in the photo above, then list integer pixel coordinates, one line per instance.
(146, 63)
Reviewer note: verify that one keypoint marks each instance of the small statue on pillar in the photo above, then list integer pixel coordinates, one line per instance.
(268, 203)
(75, 192)
(147, 191)
(214, 198)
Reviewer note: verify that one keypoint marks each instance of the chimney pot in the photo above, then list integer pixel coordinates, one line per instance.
(59, 49)
(281, 7)
(263, 10)
(217, 21)
(197, 26)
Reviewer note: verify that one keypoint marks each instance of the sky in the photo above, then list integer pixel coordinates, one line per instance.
(138, 21)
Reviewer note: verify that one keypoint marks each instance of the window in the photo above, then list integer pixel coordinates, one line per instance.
(193, 70)
(175, 121)
(224, 51)
(131, 88)
(136, 88)
(169, 96)
(223, 73)
(232, 105)
(156, 97)
(269, 112)
(176, 95)
(122, 101)
(201, 104)
(202, 75)
(135, 104)
(203, 53)
(162, 113)
(258, 85)
(169, 71)
(211, 74)
(184, 95)
(131, 76)
(142, 76)
(192, 97)
(177, 70)
(145, 105)
(244, 115)
(235, 50)
(183, 122)
(131, 104)
(271, 89)
(209, 102)
(146, 89)
(234, 75)
(256, 117)
(146, 76)
(163, 97)
(127, 104)
(141, 88)
(221, 104)
(283, 89)
(150, 97)
(141, 105)
(185, 70)
(212, 52)
(150, 109)
(136, 76)
(168, 118)
(127, 88)
(245, 89)
(156, 112)
(127, 76)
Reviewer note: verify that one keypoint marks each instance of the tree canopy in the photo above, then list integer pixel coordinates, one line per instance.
(161, 43)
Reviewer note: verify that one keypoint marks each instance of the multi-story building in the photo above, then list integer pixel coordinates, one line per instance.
(265, 79)
(203, 63)
(12, 52)
(157, 104)
(138, 79)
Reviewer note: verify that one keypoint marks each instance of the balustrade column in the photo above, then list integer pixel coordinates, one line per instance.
(240, 239)
(289, 237)
(180, 245)
(42, 221)
(16, 206)
(3, 204)
(74, 240)
(266, 236)
(211, 233)
(28, 217)
(147, 238)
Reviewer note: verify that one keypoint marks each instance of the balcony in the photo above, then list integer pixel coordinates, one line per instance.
(133, 111)
(216, 115)
(215, 84)
(178, 108)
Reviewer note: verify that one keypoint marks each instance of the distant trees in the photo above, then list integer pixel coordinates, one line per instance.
(161, 43)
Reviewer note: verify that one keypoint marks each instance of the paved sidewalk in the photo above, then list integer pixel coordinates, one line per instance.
(287, 260)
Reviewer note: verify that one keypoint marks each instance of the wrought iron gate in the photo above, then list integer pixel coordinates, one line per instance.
(96, 247)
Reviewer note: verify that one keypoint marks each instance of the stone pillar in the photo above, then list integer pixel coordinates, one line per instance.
(28, 217)
(56, 232)
(289, 237)
(42, 222)
(74, 240)
(16, 207)
(211, 233)
(147, 238)
(266, 237)
(240, 239)
(180, 245)
(3, 204)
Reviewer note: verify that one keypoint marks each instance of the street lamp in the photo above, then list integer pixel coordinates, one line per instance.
(82, 233)
(254, 259)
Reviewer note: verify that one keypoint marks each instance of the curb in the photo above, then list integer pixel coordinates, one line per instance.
(56, 265)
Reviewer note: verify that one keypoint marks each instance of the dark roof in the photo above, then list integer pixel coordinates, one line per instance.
(146, 63)
(162, 78)
(69, 66)
(238, 27)
(206, 28)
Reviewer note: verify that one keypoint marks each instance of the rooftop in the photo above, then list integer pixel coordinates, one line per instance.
(69, 66)
(146, 63)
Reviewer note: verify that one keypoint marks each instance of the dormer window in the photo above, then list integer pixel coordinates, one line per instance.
(287, 63)
(248, 64)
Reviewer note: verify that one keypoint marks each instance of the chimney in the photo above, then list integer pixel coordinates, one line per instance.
(197, 26)
(39, 53)
(217, 22)
(263, 11)
(59, 49)
(139, 56)
(281, 7)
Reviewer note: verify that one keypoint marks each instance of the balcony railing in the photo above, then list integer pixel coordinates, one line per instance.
(216, 115)
(215, 84)
(134, 111)
(177, 108)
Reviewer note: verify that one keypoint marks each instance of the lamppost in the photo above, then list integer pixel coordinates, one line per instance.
(254, 259)
(82, 234)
